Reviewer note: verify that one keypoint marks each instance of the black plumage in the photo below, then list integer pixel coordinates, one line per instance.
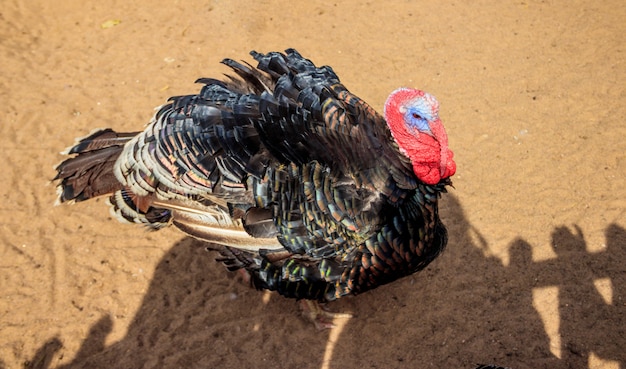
(296, 179)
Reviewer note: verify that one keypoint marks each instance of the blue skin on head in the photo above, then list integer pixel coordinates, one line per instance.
(417, 114)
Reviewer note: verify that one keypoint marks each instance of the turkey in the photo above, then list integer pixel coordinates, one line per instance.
(293, 178)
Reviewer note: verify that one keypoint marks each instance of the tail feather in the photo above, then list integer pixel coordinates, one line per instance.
(100, 139)
(90, 173)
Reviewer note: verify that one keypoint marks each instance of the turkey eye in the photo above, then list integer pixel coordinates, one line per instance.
(416, 116)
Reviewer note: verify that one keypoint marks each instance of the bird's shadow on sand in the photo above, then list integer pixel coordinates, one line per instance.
(466, 308)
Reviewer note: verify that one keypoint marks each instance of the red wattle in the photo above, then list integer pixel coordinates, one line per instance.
(432, 159)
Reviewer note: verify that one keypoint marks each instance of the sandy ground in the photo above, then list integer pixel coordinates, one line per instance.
(533, 95)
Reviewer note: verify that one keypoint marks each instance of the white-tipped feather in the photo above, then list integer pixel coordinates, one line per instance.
(225, 236)
(213, 224)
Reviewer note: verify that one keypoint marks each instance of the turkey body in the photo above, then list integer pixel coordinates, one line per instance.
(288, 174)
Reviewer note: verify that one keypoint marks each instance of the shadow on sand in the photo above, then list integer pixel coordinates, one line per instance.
(466, 308)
